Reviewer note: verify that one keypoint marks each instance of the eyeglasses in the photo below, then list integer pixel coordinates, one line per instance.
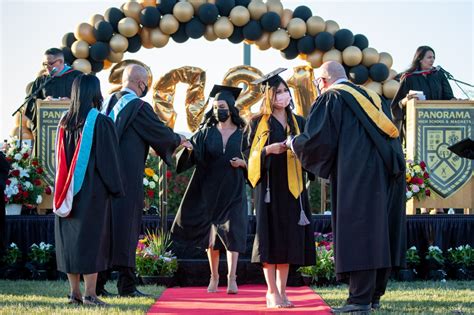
(50, 64)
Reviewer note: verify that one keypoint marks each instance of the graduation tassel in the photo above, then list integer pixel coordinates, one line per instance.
(303, 219)
(267, 194)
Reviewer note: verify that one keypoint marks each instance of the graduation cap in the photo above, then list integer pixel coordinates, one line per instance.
(225, 93)
(271, 77)
(463, 148)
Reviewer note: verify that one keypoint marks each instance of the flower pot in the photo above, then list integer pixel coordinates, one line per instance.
(13, 209)
(437, 275)
(149, 280)
(166, 281)
(406, 275)
(307, 280)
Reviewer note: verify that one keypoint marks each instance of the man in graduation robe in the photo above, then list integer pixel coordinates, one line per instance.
(350, 139)
(138, 128)
(55, 83)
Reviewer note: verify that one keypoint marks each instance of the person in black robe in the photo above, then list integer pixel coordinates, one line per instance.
(214, 207)
(362, 156)
(284, 234)
(4, 170)
(421, 76)
(138, 128)
(83, 238)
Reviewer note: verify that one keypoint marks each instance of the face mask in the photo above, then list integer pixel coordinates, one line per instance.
(144, 91)
(283, 99)
(222, 114)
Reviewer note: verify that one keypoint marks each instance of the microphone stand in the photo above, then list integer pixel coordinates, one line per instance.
(449, 76)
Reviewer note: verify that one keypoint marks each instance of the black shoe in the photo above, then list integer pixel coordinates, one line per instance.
(376, 305)
(352, 308)
(135, 293)
(73, 300)
(93, 301)
(105, 293)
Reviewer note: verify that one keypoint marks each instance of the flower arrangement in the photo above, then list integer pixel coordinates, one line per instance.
(324, 267)
(435, 254)
(150, 181)
(417, 179)
(12, 255)
(41, 255)
(153, 257)
(24, 184)
(412, 257)
(461, 256)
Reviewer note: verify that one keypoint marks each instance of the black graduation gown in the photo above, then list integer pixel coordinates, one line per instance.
(4, 170)
(278, 238)
(59, 86)
(214, 207)
(83, 239)
(435, 86)
(367, 202)
(138, 128)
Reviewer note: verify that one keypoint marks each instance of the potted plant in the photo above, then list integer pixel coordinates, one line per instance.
(436, 261)
(417, 179)
(461, 262)
(12, 259)
(413, 260)
(155, 264)
(40, 260)
(322, 272)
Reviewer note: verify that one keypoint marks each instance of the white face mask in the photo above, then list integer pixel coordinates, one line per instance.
(283, 99)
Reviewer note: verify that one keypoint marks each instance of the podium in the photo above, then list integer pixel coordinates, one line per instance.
(432, 126)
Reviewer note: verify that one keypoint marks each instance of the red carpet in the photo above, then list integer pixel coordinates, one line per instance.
(250, 300)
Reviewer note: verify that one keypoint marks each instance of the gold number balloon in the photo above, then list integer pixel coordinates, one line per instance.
(304, 90)
(165, 88)
(251, 94)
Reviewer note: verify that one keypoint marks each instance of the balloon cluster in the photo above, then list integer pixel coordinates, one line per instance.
(95, 45)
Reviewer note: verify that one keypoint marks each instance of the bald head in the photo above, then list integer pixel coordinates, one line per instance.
(332, 70)
(135, 77)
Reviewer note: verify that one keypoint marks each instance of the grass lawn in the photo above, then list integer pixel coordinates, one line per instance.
(49, 297)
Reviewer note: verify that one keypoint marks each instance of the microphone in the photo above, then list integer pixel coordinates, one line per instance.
(446, 73)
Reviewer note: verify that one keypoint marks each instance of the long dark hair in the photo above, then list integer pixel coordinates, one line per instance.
(419, 54)
(85, 95)
(211, 120)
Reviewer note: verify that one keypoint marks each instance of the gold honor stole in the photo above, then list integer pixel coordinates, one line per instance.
(375, 113)
(295, 173)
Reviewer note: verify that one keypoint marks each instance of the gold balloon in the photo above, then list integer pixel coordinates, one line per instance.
(128, 27)
(370, 56)
(315, 25)
(296, 28)
(263, 43)
(80, 49)
(118, 43)
(115, 57)
(211, 1)
(82, 65)
(352, 56)
(286, 17)
(169, 24)
(279, 39)
(183, 11)
(96, 18)
(223, 28)
(209, 33)
(392, 74)
(196, 4)
(158, 38)
(332, 27)
(251, 94)
(333, 55)
(315, 58)
(239, 16)
(165, 88)
(133, 10)
(115, 75)
(257, 9)
(386, 59)
(148, 3)
(275, 6)
(390, 88)
(85, 31)
(374, 86)
(145, 36)
(304, 90)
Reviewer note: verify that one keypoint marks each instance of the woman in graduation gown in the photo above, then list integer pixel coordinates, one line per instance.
(213, 211)
(421, 76)
(284, 232)
(87, 176)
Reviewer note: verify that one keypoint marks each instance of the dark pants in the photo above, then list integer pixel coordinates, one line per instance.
(367, 286)
(126, 284)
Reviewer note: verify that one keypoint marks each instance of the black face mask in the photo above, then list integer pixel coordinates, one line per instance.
(222, 114)
(144, 91)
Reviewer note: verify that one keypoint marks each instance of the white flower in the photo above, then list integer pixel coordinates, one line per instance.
(25, 148)
(39, 199)
(413, 248)
(145, 181)
(415, 188)
(13, 245)
(409, 194)
(152, 184)
(155, 178)
(17, 156)
(23, 172)
(28, 185)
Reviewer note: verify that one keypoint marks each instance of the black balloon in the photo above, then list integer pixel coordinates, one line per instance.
(68, 55)
(302, 12)
(208, 13)
(180, 36)
(270, 21)
(150, 17)
(103, 31)
(324, 41)
(134, 43)
(291, 52)
(237, 35)
(361, 41)
(195, 28)
(96, 66)
(343, 39)
(69, 39)
(166, 6)
(359, 74)
(243, 3)
(225, 6)
(306, 44)
(99, 51)
(379, 72)
(113, 16)
(252, 30)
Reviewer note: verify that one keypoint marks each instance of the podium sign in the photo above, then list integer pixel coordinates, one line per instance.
(48, 115)
(433, 126)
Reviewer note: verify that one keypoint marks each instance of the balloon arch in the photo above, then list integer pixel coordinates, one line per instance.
(101, 42)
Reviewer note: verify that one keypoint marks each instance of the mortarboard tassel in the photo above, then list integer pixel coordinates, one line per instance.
(267, 194)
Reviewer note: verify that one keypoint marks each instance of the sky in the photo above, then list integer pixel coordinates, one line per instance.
(30, 27)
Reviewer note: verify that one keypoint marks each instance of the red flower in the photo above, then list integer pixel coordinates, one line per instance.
(39, 170)
(422, 165)
(37, 182)
(15, 173)
(25, 155)
(150, 193)
(426, 175)
(9, 159)
(168, 174)
(8, 182)
(34, 163)
(47, 190)
(25, 194)
(428, 192)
